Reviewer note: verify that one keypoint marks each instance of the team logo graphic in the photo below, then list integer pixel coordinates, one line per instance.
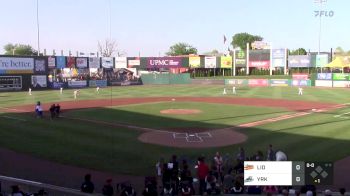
(249, 179)
(248, 167)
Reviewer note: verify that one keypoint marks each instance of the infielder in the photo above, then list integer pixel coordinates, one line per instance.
(30, 91)
(300, 91)
(75, 93)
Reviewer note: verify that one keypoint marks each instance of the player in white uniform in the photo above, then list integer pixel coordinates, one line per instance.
(30, 91)
(98, 90)
(61, 90)
(234, 90)
(300, 91)
(224, 93)
(75, 93)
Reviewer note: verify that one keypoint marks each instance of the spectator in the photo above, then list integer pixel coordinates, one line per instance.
(270, 154)
(211, 184)
(202, 172)
(52, 111)
(237, 189)
(58, 110)
(87, 186)
(342, 191)
(127, 190)
(16, 191)
(259, 156)
(254, 190)
(175, 173)
(270, 190)
(107, 189)
(241, 154)
(218, 160)
(39, 110)
(150, 189)
(227, 182)
(328, 192)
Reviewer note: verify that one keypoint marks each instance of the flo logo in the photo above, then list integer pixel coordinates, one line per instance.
(241, 54)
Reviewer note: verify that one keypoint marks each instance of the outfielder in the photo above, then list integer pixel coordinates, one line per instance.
(97, 90)
(75, 93)
(224, 93)
(234, 90)
(30, 91)
(61, 90)
(300, 91)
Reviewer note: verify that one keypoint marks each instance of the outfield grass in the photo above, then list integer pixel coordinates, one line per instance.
(317, 137)
(248, 77)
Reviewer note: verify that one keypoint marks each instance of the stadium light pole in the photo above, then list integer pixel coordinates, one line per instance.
(37, 25)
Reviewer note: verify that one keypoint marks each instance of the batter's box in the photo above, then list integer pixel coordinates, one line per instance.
(204, 135)
(193, 138)
(180, 135)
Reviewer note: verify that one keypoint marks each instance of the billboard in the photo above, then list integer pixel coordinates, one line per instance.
(258, 82)
(94, 62)
(121, 62)
(236, 82)
(39, 66)
(340, 76)
(278, 58)
(133, 62)
(39, 81)
(70, 62)
(324, 83)
(341, 84)
(82, 62)
(10, 83)
(107, 62)
(61, 62)
(210, 62)
(195, 61)
(164, 62)
(260, 64)
(301, 82)
(77, 83)
(299, 61)
(279, 82)
(16, 65)
(321, 60)
(300, 76)
(226, 62)
(241, 58)
(97, 83)
(324, 76)
(51, 61)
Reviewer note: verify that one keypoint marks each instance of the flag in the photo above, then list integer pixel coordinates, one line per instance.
(224, 39)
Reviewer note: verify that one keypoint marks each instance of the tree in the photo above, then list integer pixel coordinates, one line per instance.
(241, 40)
(19, 49)
(181, 49)
(299, 51)
(108, 48)
(213, 53)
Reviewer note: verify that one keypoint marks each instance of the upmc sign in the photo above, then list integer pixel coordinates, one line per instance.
(163, 62)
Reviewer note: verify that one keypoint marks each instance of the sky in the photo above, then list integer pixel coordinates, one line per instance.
(150, 27)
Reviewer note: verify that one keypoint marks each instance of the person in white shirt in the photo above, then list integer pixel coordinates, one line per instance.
(75, 93)
(98, 90)
(300, 91)
(224, 93)
(61, 90)
(30, 91)
(234, 90)
(38, 110)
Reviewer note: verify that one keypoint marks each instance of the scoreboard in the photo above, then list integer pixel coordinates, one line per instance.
(287, 173)
(10, 83)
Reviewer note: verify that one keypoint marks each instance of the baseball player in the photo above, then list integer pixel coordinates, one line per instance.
(98, 90)
(234, 90)
(75, 93)
(224, 93)
(61, 90)
(30, 91)
(300, 91)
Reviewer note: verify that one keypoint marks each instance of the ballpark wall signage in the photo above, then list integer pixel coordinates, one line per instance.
(94, 62)
(340, 76)
(226, 62)
(70, 62)
(324, 76)
(97, 83)
(241, 58)
(301, 82)
(77, 83)
(51, 61)
(321, 60)
(278, 58)
(16, 65)
(194, 61)
(341, 84)
(210, 62)
(260, 64)
(82, 62)
(39, 66)
(300, 76)
(121, 62)
(39, 81)
(279, 82)
(258, 82)
(299, 61)
(324, 83)
(107, 62)
(164, 62)
(10, 83)
(61, 62)
(134, 62)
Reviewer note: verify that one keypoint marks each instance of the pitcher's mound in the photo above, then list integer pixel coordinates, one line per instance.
(181, 111)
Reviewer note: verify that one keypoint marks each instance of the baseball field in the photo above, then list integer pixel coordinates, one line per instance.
(125, 130)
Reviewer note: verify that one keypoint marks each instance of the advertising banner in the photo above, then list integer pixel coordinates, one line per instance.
(301, 82)
(340, 76)
(77, 83)
(241, 58)
(258, 82)
(164, 62)
(134, 62)
(10, 83)
(341, 84)
(82, 62)
(94, 62)
(300, 76)
(51, 61)
(278, 58)
(70, 62)
(107, 62)
(226, 62)
(57, 85)
(39, 81)
(324, 76)
(98, 83)
(299, 61)
(323, 83)
(210, 62)
(120, 62)
(321, 60)
(61, 62)
(260, 64)
(39, 66)
(236, 82)
(279, 82)
(195, 61)
(13, 65)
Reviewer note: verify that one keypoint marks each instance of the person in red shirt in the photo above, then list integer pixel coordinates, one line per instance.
(202, 172)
